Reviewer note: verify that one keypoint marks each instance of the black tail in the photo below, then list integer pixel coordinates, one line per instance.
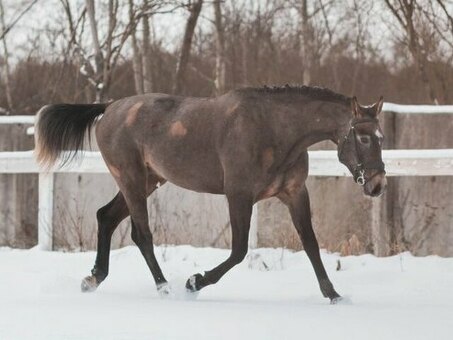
(62, 127)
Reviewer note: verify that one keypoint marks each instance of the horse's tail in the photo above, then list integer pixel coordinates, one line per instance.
(62, 127)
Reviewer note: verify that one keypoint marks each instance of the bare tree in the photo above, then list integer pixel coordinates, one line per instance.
(3, 33)
(147, 58)
(6, 30)
(194, 9)
(104, 64)
(309, 47)
(107, 53)
(9, 98)
(137, 56)
(308, 38)
(362, 13)
(220, 69)
(437, 36)
(405, 11)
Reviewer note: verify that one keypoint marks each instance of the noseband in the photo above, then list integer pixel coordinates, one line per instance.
(358, 171)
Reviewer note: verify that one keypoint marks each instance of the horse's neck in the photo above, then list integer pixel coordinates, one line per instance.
(326, 121)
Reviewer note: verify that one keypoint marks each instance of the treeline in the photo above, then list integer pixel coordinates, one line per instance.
(402, 49)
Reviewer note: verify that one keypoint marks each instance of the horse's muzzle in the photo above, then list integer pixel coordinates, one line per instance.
(376, 185)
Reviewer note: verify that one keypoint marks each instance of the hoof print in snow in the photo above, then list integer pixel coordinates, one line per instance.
(193, 284)
(89, 284)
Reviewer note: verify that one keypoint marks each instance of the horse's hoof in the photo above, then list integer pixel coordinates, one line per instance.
(341, 300)
(336, 300)
(193, 284)
(89, 284)
(164, 290)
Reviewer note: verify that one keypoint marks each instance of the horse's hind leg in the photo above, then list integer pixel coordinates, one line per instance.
(298, 203)
(109, 217)
(240, 207)
(136, 185)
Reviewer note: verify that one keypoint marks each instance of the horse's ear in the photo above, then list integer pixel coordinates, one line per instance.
(378, 105)
(355, 106)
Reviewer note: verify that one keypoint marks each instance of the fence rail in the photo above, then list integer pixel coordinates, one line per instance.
(435, 162)
(322, 163)
(387, 107)
(438, 162)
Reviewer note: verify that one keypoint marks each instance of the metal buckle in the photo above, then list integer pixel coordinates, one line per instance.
(361, 178)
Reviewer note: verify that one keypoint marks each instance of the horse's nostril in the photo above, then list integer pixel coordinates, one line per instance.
(377, 190)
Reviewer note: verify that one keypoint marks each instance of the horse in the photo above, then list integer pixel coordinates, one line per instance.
(248, 144)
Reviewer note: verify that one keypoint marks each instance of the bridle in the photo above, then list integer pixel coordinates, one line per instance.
(358, 170)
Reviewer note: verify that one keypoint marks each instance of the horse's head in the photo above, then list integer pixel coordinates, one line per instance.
(360, 149)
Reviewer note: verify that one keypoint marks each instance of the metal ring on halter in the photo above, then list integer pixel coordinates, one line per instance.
(361, 178)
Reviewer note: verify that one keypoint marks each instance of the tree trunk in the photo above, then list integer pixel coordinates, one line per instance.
(9, 98)
(183, 61)
(147, 58)
(220, 81)
(98, 56)
(136, 59)
(245, 46)
(307, 40)
(417, 54)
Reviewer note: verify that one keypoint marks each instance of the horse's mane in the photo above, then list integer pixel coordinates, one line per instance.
(313, 92)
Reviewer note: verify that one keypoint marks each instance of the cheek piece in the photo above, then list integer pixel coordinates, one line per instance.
(358, 169)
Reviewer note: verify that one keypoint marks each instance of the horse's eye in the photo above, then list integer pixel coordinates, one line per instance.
(365, 139)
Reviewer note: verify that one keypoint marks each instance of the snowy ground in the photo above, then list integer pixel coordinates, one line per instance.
(400, 297)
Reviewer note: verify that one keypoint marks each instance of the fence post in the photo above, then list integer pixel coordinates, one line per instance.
(382, 219)
(45, 211)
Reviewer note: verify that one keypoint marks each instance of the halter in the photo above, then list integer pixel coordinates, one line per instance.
(358, 171)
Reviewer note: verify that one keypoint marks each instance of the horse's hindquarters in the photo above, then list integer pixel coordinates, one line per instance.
(175, 144)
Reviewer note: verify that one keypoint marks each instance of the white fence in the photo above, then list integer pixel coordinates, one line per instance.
(322, 163)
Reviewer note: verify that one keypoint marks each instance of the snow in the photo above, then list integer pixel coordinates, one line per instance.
(272, 295)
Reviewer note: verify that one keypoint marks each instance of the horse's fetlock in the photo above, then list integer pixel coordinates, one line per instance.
(327, 289)
(100, 275)
(89, 284)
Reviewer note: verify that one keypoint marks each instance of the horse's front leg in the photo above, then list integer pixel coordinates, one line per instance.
(240, 208)
(298, 203)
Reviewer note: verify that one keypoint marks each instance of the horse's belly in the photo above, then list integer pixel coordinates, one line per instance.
(201, 173)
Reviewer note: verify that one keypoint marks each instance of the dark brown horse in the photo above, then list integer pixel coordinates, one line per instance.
(249, 144)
